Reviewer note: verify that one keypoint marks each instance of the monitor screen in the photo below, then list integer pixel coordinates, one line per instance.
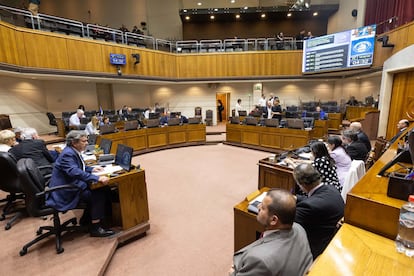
(117, 59)
(92, 139)
(105, 145)
(154, 115)
(123, 156)
(131, 125)
(339, 51)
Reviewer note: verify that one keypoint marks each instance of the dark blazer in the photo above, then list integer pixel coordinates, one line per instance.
(362, 137)
(36, 150)
(318, 215)
(69, 170)
(357, 151)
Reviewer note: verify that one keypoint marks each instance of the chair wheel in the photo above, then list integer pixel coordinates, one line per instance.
(58, 251)
(7, 227)
(23, 252)
(39, 232)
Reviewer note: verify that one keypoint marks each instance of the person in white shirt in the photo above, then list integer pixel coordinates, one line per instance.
(92, 126)
(74, 119)
(237, 108)
(262, 101)
(268, 110)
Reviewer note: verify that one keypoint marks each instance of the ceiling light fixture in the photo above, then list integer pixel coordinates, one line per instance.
(187, 18)
(237, 16)
(199, 3)
(212, 17)
(315, 14)
(263, 15)
(289, 14)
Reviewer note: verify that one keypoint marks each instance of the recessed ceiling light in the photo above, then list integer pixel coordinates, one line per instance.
(263, 15)
(212, 17)
(245, 8)
(215, 9)
(187, 18)
(199, 3)
(184, 10)
(237, 16)
(315, 14)
(233, 1)
(289, 15)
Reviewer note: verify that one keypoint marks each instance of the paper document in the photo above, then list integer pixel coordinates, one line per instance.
(108, 170)
(254, 204)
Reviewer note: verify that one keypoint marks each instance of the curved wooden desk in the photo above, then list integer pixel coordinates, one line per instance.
(151, 139)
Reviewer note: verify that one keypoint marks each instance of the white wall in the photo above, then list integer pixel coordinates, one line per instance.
(343, 20)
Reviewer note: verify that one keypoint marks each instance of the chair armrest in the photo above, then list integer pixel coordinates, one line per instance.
(56, 188)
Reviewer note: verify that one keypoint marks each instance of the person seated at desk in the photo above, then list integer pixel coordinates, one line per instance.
(320, 211)
(74, 120)
(92, 126)
(105, 121)
(357, 128)
(7, 140)
(352, 101)
(342, 159)
(355, 148)
(283, 249)
(32, 147)
(71, 169)
(322, 114)
(401, 126)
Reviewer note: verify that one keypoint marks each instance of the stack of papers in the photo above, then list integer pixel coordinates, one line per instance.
(108, 170)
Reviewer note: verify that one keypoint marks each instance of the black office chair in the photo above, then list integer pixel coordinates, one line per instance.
(209, 117)
(33, 185)
(10, 183)
(52, 119)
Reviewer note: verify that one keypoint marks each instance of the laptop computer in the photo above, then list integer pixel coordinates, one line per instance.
(105, 129)
(105, 145)
(272, 122)
(123, 157)
(194, 120)
(251, 121)
(153, 123)
(131, 125)
(173, 121)
(92, 139)
(295, 123)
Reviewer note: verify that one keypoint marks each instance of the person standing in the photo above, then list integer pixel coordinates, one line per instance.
(276, 110)
(283, 249)
(238, 108)
(357, 128)
(220, 109)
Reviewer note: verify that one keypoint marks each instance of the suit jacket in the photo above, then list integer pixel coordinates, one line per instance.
(357, 151)
(284, 252)
(69, 170)
(362, 137)
(36, 150)
(319, 214)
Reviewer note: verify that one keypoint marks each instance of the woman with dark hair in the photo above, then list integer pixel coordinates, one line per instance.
(342, 159)
(325, 165)
(220, 109)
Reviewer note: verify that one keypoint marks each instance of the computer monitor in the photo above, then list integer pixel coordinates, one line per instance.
(242, 113)
(295, 123)
(131, 125)
(105, 129)
(194, 120)
(153, 123)
(123, 157)
(92, 139)
(235, 120)
(105, 145)
(173, 121)
(154, 115)
(251, 121)
(271, 122)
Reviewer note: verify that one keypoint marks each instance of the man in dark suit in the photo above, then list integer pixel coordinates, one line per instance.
(71, 169)
(402, 126)
(362, 137)
(283, 249)
(355, 148)
(32, 147)
(320, 211)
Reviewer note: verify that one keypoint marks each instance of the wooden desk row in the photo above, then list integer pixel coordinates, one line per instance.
(150, 139)
(267, 138)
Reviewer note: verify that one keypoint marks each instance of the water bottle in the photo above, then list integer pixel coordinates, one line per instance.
(405, 238)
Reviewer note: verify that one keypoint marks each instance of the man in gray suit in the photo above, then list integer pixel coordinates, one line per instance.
(283, 249)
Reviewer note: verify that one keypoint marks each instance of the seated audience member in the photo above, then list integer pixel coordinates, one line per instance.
(123, 28)
(82, 107)
(322, 114)
(164, 118)
(71, 169)
(74, 119)
(146, 113)
(342, 159)
(92, 126)
(355, 148)
(362, 137)
(352, 101)
(401, 126)
(32, 147)
(320, 211)
(283, 249)
(7, 140)
(18, 133)
(105, 121)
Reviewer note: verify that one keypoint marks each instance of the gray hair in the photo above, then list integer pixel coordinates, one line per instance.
(28, 133)
(74, 136)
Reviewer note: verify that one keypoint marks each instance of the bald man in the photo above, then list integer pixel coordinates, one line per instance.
(283, 249)
(401, 126)
(362, 137)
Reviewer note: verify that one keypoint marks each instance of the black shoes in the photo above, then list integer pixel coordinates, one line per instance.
(98, 231)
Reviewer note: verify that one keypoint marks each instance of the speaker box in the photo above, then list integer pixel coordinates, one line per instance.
(354, 13)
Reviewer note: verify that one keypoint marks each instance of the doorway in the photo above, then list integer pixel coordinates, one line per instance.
(225, 99)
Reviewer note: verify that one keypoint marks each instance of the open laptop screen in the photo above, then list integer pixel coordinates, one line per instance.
(123, 156)
(105, 145)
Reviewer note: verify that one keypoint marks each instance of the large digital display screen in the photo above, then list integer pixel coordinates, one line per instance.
(339, 51)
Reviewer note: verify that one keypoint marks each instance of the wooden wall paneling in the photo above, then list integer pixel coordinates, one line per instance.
(114, 49)
(46, 50)
(166, 64)
(403, 98)
(85, 55)
(237, 65)
(10, 52)
(410, 34)
(188, 66)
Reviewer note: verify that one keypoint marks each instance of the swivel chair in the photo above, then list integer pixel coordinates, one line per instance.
(209, 117)
(33, 185)
(10, 183)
